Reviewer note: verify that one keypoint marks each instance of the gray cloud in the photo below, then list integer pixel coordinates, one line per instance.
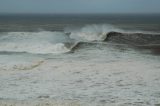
(79, 6)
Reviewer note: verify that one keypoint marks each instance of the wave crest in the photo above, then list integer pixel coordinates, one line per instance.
(91, 32)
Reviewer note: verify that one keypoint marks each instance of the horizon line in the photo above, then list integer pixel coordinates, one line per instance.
(1, 13)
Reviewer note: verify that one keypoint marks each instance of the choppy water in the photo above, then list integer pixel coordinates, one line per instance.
(66, 57)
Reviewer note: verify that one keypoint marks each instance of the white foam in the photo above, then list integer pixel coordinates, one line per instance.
(46, 102)
(40, 48)
(34, 42)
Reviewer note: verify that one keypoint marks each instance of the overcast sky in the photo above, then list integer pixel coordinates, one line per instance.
(79, 6)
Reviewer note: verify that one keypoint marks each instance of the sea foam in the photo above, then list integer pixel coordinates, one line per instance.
(34, 42)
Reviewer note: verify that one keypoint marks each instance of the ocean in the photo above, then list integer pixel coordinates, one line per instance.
(79, 59)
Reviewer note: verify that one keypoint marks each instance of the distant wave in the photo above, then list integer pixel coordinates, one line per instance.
(46, 42)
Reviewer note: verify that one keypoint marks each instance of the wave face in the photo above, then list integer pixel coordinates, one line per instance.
(136, 39)
(46, 42)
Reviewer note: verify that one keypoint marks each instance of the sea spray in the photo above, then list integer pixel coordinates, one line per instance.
(95, 32)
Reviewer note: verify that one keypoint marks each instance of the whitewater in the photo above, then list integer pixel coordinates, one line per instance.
(46, 42)
(79, 63)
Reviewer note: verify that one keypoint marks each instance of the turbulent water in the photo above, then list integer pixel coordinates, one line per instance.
(80, 59)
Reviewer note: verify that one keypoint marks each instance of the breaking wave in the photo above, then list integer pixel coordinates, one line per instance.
(91, 32)
(34, 42)
(46, 42)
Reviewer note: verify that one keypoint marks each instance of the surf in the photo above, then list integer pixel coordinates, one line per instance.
(54, 42)
(43, 42)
